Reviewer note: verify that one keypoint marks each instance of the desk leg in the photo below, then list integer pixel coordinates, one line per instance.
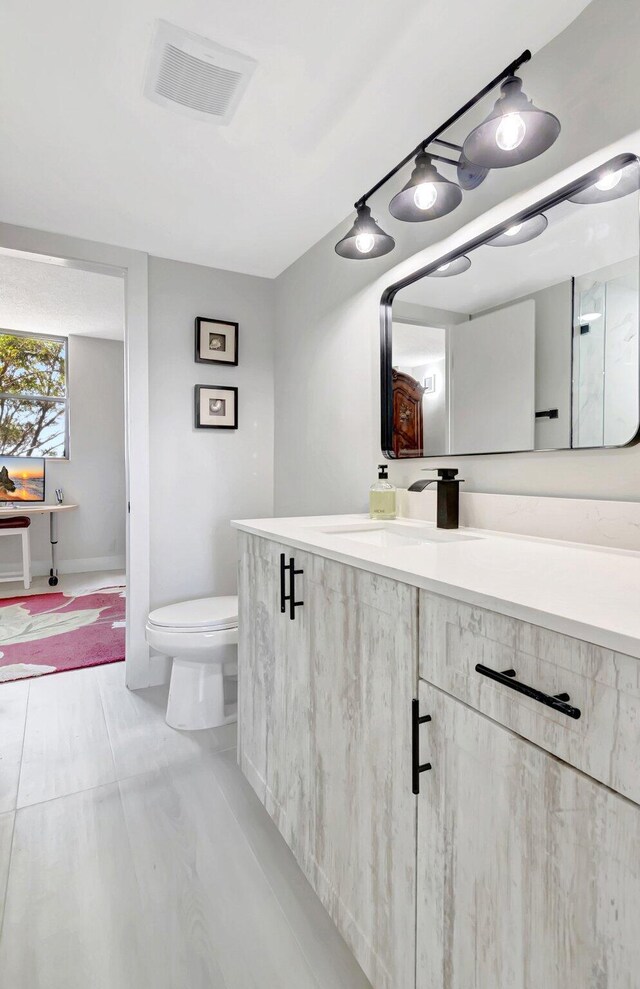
(53, 539)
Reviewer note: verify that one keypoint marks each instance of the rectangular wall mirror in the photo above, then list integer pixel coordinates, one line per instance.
(526, 338)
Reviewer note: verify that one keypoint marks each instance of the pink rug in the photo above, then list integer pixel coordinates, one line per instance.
(48, 633)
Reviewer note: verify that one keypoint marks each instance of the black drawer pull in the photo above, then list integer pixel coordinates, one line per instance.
(284, 597)
(291, 598)
(416, 766)
(557, 701)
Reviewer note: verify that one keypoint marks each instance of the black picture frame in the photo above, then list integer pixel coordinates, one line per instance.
(199, 359)
(198, 421)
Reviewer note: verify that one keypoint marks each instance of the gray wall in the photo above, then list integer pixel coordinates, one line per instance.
(327, 320)
(203, 478)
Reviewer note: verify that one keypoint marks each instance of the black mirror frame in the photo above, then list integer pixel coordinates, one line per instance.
(389, 294)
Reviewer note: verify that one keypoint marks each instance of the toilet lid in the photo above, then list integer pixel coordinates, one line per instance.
(203, 614)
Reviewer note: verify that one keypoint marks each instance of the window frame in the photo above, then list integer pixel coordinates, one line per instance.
(45, 398)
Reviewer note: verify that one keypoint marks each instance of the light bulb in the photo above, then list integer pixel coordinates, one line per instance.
(443, 267)
(425, 195)
(609, 181)
(512, 231)
(510, 132)
(365, 242)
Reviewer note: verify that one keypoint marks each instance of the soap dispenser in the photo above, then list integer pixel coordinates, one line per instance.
(382, 496)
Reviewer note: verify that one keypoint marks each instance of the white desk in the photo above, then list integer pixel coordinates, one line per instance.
(38, 508)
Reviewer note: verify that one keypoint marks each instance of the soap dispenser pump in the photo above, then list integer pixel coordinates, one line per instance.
(382, 496)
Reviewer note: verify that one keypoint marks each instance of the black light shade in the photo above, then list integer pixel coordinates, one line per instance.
(456, 267)
(427, 195)
(515, 131)
(520, 233)
(470, 176)
(365, 239)
(612, 184)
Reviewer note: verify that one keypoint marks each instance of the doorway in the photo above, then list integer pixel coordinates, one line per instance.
(62, 466)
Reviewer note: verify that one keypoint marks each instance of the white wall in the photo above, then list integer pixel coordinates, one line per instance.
(93, 536)
(203, 478)
(327, 324)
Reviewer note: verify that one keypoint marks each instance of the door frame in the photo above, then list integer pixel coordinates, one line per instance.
(133, 265)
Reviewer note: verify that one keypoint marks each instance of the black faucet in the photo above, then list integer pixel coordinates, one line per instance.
(448, 495)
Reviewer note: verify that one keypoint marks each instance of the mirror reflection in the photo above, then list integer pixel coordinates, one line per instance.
(528, 343)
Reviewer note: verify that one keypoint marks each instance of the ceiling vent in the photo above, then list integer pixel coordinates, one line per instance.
(195, 76)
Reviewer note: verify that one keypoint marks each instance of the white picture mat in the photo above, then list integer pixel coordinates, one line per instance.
(226, 353)
(213, 394)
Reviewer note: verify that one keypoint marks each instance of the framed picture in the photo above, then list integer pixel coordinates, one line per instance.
(216, 341)
(216, 407)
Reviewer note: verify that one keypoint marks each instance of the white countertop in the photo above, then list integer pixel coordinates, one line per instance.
(588, 592)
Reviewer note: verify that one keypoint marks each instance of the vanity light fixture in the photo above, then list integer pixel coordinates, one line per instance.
(589, 317)
(427, 195)
(365, 239)
(611, 185)
(514, 132)
(455, 267)
(520, 233)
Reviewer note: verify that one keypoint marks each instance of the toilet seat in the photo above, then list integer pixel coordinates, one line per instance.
(199, 615)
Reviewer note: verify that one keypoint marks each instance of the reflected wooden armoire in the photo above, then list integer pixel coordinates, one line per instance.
(407, 415)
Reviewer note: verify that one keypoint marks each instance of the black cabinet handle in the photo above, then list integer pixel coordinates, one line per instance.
(416, 767)
(291, 596)
(284, 597)
(507, 678)
(293, 604)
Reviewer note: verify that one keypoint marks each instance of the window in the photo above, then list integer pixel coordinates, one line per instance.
(33, 395)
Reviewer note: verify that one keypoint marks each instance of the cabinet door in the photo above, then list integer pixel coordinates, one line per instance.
(363, 667)
(528, 871)
(274, 689)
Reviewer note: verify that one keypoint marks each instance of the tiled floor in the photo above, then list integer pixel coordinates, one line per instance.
(136, 857)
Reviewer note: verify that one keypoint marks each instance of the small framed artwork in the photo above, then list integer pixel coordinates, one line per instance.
(216, 341)
(216, 407)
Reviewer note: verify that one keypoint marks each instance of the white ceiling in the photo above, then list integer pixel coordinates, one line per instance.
(46, 298)
(341, 91)
(577, 241)
(411, 342)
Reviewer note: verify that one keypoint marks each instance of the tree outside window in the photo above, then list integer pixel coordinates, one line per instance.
(33, 395)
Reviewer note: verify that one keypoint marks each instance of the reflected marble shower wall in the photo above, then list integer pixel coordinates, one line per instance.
(606, 353)
(621, 361)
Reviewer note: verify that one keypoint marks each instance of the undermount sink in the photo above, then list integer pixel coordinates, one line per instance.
(395, 534)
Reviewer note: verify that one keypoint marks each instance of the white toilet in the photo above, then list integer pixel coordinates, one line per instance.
(202, 638)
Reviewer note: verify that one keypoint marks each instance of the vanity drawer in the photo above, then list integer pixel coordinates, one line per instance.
(603, 742)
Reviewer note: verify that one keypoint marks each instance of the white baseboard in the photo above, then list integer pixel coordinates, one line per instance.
(40, 568)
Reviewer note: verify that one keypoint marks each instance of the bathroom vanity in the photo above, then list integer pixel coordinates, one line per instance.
(445, 727)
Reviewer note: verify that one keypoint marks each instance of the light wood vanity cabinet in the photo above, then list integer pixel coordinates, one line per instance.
(604, 685)
(518, 865)
(325, 740)
(528, 870)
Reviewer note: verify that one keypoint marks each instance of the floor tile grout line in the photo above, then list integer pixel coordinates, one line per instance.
(5, 894)
(266, 878)
(114, 782)
(106, 722)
